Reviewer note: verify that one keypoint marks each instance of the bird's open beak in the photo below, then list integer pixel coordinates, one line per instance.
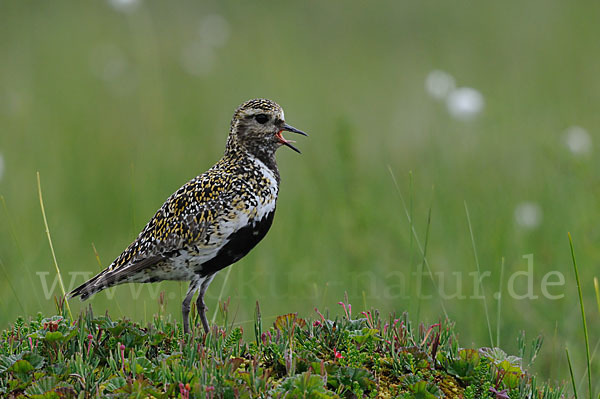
(288, 143)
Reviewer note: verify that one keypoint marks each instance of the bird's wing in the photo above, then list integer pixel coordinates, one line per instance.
(188, 217)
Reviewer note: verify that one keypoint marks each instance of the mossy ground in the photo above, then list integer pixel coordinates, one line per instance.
(348, 357)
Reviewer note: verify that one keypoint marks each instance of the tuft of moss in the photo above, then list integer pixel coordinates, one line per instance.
(367, 357)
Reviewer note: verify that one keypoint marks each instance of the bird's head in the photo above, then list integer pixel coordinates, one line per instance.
(257, 126)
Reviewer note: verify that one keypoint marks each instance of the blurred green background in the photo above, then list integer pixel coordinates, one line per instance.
(118, 103)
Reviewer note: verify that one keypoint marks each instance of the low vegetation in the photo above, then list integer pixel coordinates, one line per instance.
(346, 357)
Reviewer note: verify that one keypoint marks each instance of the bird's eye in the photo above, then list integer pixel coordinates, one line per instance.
(261, 118)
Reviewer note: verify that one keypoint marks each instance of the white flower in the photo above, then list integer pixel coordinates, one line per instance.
(464, 103)
(528, 215)
(124, 5)
(214, 30)
(439, 84)
(578, 140)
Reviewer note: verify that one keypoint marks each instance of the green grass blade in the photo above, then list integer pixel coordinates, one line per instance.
(487, 315)
(597, 291)
(60, 280)
(597, 346)
(572, 376)
(410, 242)
(420, 285)
(584, 323)
(417, 241)
(499, 308)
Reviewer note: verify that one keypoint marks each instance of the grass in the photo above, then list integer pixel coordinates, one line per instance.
(485, 307)
(342, 357)
(584, 327)
(101, 103)
(58, 274)
(573, 384)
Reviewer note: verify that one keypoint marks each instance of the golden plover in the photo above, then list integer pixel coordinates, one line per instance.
(213, 220)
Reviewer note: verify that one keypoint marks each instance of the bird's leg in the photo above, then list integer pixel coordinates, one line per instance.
(185, 306)
(201, 306)
(185, 312)
(200, 302)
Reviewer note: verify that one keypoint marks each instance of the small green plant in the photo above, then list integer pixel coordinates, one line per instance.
(304, 385)
(344, 357)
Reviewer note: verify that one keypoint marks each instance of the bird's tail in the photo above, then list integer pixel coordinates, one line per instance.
(89, 288)
(111, 277)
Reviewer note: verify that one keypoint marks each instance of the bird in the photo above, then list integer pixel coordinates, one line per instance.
(214, 219)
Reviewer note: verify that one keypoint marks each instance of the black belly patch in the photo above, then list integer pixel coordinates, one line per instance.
(239, 244)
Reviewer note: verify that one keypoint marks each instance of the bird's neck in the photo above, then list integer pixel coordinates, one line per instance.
(235, 152)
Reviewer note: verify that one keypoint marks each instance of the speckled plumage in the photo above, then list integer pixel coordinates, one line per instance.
(214, 219)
